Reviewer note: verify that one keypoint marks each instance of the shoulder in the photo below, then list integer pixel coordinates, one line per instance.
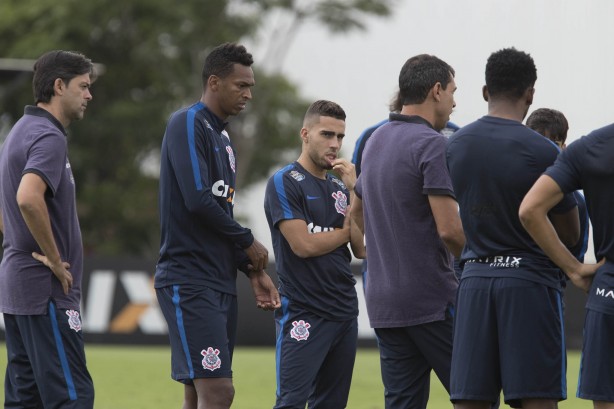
(288, 174)
(336, 183)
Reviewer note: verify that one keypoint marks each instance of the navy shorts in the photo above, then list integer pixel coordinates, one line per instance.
(46, 361)
(202, 326)
(315, 358)
(407, 356)
(596, 381)
(508, 334)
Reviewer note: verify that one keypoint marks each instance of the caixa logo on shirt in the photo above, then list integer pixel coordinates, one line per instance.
(221, 189)
(313, 228)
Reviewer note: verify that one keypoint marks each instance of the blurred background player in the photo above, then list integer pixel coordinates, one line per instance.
(411, 224)
(553, 125)
(307, 209)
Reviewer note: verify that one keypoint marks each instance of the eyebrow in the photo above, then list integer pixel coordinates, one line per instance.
(327, 133)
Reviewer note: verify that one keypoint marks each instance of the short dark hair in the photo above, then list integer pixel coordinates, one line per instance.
(546, 119)
(324, 108)
(509, 73)
(419, 74)
(222, 58)
(55, 64)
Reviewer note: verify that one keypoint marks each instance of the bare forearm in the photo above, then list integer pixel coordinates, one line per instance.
(36, 216)
(318, 244)
(543, 233)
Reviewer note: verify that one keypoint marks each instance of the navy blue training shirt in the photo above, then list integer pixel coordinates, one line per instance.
(587, 164)
(493, 163)
(324, 284)
(200, 241)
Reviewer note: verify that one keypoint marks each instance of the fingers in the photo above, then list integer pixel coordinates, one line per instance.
(39, 257)
(59, 271)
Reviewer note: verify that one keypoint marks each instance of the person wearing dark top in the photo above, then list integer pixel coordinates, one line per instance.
(406, 207)
(553, 125)
(509, 287)
(395, 107)
(42, 264)
(201, 244)
(307, 209)
(585, 164)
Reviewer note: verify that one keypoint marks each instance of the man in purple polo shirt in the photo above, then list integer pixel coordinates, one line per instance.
(412, 225)
(41, 269)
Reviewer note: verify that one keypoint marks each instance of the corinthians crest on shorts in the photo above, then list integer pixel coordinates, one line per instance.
(300, 330)
(73, 320)
(211, 360)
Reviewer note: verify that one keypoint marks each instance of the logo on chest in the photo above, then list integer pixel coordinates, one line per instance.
(341, 202)
(231, 158)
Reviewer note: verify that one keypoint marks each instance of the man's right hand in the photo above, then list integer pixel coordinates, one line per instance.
(60, 270)
(258, 256)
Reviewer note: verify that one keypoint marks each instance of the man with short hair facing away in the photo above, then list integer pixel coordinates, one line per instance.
(585, 164)
(307, 209)
(201, 244)
(509, 287)
(553, 125)
(412, 228)
(42, 265)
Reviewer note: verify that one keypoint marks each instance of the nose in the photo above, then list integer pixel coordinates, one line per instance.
(248, 93)
(335, 144)
(88, 94)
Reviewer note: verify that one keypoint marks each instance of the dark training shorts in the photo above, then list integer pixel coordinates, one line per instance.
(508, 334)
(596, 381)
(46, 361)
(315, 358)
(202, 326)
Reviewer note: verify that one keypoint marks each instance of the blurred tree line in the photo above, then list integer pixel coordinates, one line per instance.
(152, 52)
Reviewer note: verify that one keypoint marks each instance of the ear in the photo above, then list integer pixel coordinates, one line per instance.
(485, 93)
(436, 90)
(304, 135)
(529, 93)
(58, 86)
(213, 82)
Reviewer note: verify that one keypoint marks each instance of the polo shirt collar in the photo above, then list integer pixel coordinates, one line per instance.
(412, 119)
(43, 113)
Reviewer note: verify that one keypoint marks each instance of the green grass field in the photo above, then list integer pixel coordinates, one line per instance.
(137, 377)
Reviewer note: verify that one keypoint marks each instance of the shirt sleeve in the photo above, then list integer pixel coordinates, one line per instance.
(284, 198)
(564, 170)
(47, 159)
(434, 169)
(189, 151)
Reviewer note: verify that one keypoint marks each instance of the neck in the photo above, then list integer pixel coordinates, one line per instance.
(420, 110)
(311, 167)
(54, 110)
(506, 109)
(213, 106)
